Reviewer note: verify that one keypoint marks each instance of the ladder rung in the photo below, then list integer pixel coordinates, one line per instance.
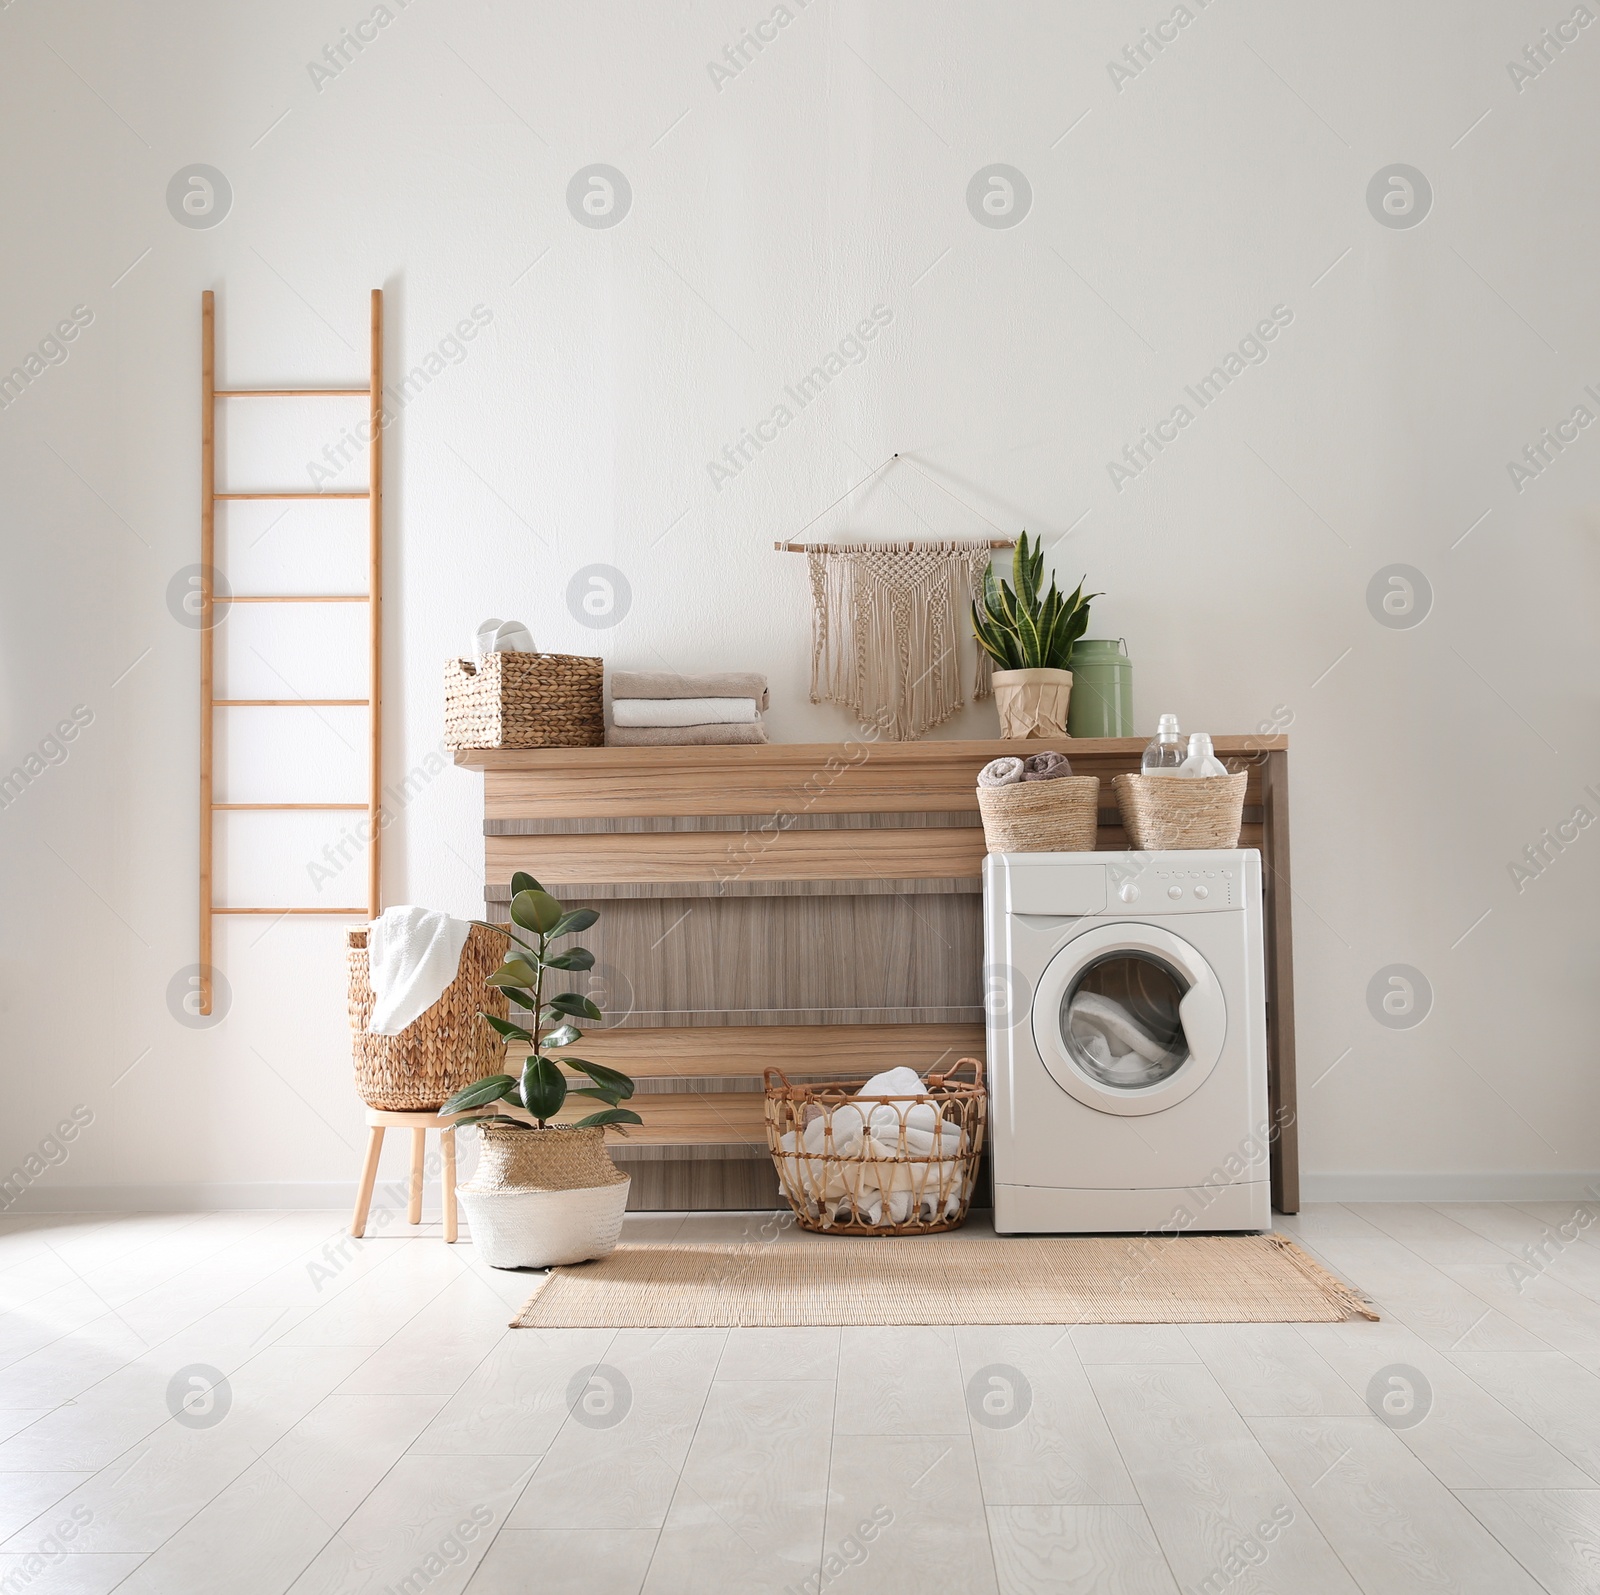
(291, 393)
(317, 807)
(362, 494)
(291, 703)
(362, 912)
(289, 598)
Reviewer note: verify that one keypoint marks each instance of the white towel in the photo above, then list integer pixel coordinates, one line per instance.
(505, 637)
(1089, 1012)
(682, 711)
(1000, 772)
(412, 955)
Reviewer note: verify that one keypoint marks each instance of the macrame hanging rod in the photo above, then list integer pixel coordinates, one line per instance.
(805, 548)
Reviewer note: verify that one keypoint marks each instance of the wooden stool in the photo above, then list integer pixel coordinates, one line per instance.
(379, 1120)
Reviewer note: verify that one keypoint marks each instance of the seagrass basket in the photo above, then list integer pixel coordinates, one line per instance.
(512, 700)
(448, 1047)
(1057, 816)
(1163, 812)
(852, 1165)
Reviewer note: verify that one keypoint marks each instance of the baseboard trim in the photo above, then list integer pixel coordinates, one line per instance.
(314, 1195)
(285, 1196)
(1533, 1185)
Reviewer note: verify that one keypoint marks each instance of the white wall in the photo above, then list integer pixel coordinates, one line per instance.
(771, 211)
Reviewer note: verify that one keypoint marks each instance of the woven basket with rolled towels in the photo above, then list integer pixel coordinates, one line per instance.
(658, 708)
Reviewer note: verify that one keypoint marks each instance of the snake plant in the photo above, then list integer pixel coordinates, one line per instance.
(540, 1087)
(1017, 628)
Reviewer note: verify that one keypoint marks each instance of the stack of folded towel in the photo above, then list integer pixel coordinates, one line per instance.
(656, 708)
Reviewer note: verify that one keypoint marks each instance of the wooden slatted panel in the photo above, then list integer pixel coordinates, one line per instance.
(842, 861)
(841, 1051)
(716, 1119)
(783, 855)
(799, 777)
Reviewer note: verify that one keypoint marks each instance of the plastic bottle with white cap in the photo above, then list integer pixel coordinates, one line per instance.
(1165, 753)
(1201, 761)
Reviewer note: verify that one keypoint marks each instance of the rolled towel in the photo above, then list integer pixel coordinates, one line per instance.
(1045, 766)
(505, 637)
(682, 711)
(709, 684)
(412, 955)
(1000, 772)
(684, 736)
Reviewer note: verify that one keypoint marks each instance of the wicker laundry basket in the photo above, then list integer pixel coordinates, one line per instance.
(1161, 812)
(1057, 816)
(448, 1047)
(898, 1179)
(510, 700)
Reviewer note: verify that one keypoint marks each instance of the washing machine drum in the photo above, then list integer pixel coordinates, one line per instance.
(1129, 1019)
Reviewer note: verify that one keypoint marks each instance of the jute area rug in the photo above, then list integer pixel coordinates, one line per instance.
(1077, 1279)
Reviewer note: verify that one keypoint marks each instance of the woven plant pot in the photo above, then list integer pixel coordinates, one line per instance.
(1164, 812)
(543, 1198)
(1059, 816)
(448, 1047)
(1032, 703)
(509, 700)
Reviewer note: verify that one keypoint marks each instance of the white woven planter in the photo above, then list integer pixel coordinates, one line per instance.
(544, 1229)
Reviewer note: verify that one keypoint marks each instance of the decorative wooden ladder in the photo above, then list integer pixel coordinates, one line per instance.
(211, 600)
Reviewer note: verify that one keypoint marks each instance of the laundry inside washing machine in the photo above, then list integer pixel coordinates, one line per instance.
(1121, 1021)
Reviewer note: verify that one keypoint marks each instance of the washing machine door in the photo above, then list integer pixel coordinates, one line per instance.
(1129, 1019)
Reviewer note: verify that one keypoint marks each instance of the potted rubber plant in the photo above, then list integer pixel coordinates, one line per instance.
(544, 1193)
(1030, 639)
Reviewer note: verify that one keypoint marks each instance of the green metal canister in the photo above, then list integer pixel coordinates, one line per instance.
(1102, 689)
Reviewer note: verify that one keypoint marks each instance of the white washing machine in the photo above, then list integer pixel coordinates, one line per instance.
(1126, 1015)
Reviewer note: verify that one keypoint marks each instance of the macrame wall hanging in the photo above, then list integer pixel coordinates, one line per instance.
(886, 620)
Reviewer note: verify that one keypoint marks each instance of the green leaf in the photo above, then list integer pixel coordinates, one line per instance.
(598, 1092)
(562, 1036)
(572, 1002)
(536, 911)
(514, 972)
(612, 1079)
(578, 919)
(1026, 574)
(522, 881)
(494, 1118)
(491, 1088)
(1028, 640)
(573, 958)
(609, 1116)
(544, 1088)
(506, 1028)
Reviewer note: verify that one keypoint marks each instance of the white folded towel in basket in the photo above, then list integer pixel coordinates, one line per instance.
(412, 956)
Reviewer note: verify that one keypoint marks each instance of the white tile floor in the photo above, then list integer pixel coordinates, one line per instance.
(381, 1430)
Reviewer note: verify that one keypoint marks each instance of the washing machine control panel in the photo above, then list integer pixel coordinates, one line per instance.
(1170, 891)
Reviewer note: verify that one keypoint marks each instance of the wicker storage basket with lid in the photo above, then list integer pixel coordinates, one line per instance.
(1162, 812)
(435, 1055)
(519, 700)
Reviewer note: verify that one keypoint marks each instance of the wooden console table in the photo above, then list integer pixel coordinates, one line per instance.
(813, 906)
